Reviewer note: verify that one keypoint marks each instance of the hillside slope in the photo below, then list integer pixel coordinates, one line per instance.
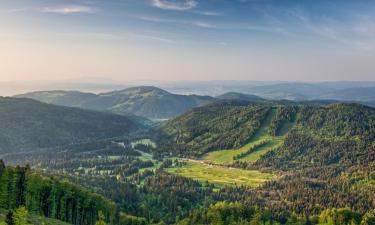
(145, 101)
(280, 136)
(26, 124)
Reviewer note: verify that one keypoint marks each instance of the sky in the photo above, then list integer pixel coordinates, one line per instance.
(266, 40)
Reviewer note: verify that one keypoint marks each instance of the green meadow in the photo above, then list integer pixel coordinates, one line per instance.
(220, 175)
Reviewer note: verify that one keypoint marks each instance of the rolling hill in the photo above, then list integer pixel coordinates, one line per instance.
(26, 125)
(145, 101)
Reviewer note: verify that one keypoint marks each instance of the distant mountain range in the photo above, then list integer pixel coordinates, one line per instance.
(155, 103)
(146, 101)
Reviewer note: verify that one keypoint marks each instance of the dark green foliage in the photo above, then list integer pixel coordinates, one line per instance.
(9, 218)
(27, 124)
(340, 120)
(336, 134)
(301, 150)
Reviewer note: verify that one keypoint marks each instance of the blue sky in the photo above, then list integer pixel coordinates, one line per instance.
(188, 39)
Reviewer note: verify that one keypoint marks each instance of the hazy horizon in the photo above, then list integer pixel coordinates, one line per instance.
(187, 40)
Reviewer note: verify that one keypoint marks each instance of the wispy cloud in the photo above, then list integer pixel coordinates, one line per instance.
(202, 24)
(358, 33)
(73, 9)
(155, 38)
(61, 9)
(209, 13)
(199, 24)
(207, 25)
(181, 5)
(16, 10)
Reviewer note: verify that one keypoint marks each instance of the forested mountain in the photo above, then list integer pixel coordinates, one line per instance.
(26, 125)
(216, 126)
(145, 101)
(318, 130)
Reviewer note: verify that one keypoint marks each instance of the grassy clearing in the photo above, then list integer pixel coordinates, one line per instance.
(220, 175)
(226, 156)
(254, 156)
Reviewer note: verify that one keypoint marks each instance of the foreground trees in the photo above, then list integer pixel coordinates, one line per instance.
(50, 198)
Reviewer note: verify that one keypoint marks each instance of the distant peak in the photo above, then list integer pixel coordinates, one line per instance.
(139, 90)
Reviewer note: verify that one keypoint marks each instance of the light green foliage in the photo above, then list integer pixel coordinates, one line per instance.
(339, 217)
(20, 216)
(101, 219)
(369, 218)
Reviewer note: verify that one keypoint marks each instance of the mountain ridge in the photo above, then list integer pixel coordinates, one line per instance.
(146, 101)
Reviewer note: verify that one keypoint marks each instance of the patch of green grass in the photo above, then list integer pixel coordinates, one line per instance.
(272, 144)
(220, 175)
(226, 156)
